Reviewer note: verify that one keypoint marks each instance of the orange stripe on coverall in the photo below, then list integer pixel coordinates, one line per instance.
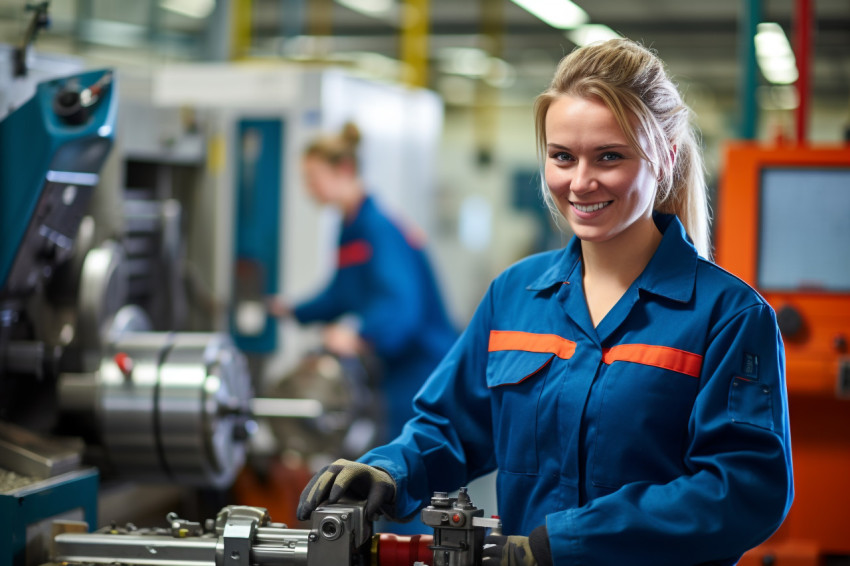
(664, 357)
(531, 342)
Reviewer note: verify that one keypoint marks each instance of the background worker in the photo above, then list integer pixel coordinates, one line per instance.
(383, 277)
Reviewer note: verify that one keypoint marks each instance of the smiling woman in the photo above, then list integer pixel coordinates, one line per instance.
(630, 393)
(599, 182)
(605, 190)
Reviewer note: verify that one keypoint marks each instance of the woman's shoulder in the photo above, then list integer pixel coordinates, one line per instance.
(725, 286)
(530, 269)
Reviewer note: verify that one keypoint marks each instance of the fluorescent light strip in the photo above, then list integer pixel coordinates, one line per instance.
(774, 54)
(198, 9)
(561, 14)
(590, 33)
(369, 7)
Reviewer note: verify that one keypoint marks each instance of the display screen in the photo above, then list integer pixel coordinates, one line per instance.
(804, 236)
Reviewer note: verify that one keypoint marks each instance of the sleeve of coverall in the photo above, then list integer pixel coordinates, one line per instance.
(739, 486)
(393, 311)
(323, 307)
(450, 440)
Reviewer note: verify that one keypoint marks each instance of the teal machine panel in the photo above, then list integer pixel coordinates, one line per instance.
(51, 150)
(258, 187)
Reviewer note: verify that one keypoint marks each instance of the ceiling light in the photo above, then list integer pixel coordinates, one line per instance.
(774, 55)
(465, 61)
(369, 7)
(475, 63)
(198, 9)
(590, 33)
(561, 14)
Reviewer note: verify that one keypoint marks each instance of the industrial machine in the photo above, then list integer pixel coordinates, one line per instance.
(97, 379)
(75, 356)
(100, 383)
(783, 228)
(51, 150)
(240, 536)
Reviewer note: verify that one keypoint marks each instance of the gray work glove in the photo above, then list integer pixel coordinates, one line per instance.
(353, 480)
(513, 550)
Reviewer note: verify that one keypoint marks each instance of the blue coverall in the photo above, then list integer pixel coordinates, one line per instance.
(658, 437)
(387, 281)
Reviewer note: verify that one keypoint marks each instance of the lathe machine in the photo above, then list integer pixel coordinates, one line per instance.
(339, 535)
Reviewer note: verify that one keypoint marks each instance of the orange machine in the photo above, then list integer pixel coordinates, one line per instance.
(783, 225)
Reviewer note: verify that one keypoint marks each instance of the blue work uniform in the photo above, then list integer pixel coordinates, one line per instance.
(658, 437)
(385, 279)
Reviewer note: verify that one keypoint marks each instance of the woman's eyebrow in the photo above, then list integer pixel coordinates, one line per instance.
(597, 148)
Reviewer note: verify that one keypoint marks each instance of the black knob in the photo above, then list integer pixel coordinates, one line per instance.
(790, 322)
(68, 106)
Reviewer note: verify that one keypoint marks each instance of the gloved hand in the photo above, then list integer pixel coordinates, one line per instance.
(513, 550)
(354, 480)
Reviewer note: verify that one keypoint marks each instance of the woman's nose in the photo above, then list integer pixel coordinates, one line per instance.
(583, 180)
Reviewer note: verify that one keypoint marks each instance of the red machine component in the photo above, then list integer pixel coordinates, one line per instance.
(401, 550)
(782, 228)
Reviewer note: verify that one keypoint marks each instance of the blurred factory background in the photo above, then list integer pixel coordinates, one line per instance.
(177, 128)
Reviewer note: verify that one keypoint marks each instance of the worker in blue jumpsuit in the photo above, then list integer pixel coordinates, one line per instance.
(383, 277)
(629, 391)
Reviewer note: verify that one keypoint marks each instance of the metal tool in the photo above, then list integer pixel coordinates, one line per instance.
(339, 535)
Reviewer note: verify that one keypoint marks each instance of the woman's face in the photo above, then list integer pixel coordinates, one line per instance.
(599, 182)
(321, 178)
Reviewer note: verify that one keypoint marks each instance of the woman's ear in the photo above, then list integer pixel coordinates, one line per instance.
(671, 155)
(348, 167)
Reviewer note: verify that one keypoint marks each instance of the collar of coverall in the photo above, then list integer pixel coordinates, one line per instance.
(671, 272)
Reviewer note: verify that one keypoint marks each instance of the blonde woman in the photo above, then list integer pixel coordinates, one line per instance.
(630, 392)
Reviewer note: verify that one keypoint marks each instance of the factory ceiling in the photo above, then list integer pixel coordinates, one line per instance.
(699, 40)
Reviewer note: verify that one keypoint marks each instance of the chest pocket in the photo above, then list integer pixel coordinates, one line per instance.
(516, 381)
(642, 409)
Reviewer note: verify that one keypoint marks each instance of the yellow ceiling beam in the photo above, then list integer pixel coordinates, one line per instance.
(415, 20)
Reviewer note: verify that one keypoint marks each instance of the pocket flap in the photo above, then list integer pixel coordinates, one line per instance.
(510, 367)
(751, 402)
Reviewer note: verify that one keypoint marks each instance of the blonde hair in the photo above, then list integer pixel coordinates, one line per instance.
(337, 149)
(633, 83)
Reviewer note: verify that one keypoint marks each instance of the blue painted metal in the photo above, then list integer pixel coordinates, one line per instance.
(258, 225)
(35, 140)
(27, 506)
(751, 15)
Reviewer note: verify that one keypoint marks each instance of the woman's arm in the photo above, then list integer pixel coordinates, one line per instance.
(450, 440)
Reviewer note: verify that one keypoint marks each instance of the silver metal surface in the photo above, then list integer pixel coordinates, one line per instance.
(180, 411)
(166, 406)
(241, 535)
(31, 454)
(102, 292)
(339, 535)
(100, 548)
(297, 408)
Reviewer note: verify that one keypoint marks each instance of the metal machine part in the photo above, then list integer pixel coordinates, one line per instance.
(166, 405)
(52, 148)
(241, 536)
(458, 529)
(57, 151)
(49, 167)
(348, 423)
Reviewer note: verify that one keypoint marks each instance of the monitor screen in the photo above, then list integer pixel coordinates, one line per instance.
(804, 234)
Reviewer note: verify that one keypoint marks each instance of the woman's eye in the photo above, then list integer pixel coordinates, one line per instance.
(611, 156)
(561, 156)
